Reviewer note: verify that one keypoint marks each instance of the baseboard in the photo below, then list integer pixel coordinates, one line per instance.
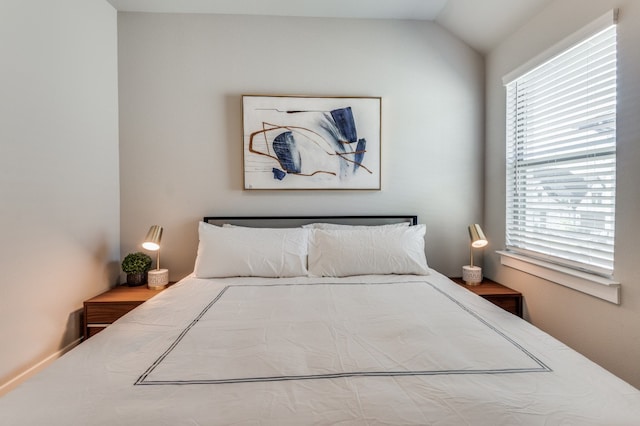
(13, 383)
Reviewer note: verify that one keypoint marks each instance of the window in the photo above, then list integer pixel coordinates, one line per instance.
(561, 157)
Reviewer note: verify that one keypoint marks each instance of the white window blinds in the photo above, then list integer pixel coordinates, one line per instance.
(561, 157)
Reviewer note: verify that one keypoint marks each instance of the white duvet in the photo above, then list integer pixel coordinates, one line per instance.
(360, 350)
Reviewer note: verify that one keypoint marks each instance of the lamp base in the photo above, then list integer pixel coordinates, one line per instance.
(472, 275)
(157, 279)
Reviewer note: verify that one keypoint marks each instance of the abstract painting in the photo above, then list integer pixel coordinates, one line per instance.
(299, 142)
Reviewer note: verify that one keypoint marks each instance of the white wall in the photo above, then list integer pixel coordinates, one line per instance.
(181, 81)
(606, 333)
(59, 208)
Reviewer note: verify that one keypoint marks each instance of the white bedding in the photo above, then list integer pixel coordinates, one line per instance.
(358, 350)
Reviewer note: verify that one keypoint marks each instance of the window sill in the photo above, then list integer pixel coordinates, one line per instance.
(600, 287)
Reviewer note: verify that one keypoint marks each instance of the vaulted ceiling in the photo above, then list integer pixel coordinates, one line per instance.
(482, 24)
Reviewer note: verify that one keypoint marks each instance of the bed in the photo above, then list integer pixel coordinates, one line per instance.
(302, 321)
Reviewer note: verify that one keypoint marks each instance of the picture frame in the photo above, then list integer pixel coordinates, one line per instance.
(306, 142)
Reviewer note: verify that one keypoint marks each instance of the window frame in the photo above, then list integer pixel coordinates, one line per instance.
(592, 281)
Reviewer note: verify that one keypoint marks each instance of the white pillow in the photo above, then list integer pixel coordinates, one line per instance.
(251, 252)
(386, 250)
(342, 226)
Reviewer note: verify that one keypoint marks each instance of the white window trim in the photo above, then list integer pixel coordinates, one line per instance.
(603, 288)
(594, 285)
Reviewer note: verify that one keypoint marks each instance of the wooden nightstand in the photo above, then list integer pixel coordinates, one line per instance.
(105, 308)
(508, 299)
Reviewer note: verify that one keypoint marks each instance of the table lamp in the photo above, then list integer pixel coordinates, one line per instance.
(157, 279)
(472, 275)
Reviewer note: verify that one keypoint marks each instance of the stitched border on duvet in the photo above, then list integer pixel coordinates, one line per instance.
(536, 364)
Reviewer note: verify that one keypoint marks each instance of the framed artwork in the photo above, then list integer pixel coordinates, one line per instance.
(299, 142)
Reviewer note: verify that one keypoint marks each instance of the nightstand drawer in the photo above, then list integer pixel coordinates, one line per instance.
(508, 299)
(106, 313)
(93, 330)
(507, 303)
(106, 308)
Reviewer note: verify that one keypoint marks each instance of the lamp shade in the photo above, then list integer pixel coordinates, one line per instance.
(477, 236)
(153, 238)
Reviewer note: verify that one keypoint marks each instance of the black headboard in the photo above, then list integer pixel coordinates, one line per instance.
(293, 221)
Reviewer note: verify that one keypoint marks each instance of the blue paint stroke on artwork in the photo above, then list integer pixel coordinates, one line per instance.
(343, 117)
(328, 124)
(278, 174)
(284, 145)
(360, 150)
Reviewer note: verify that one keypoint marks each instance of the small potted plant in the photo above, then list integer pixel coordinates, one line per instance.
(136, 265)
